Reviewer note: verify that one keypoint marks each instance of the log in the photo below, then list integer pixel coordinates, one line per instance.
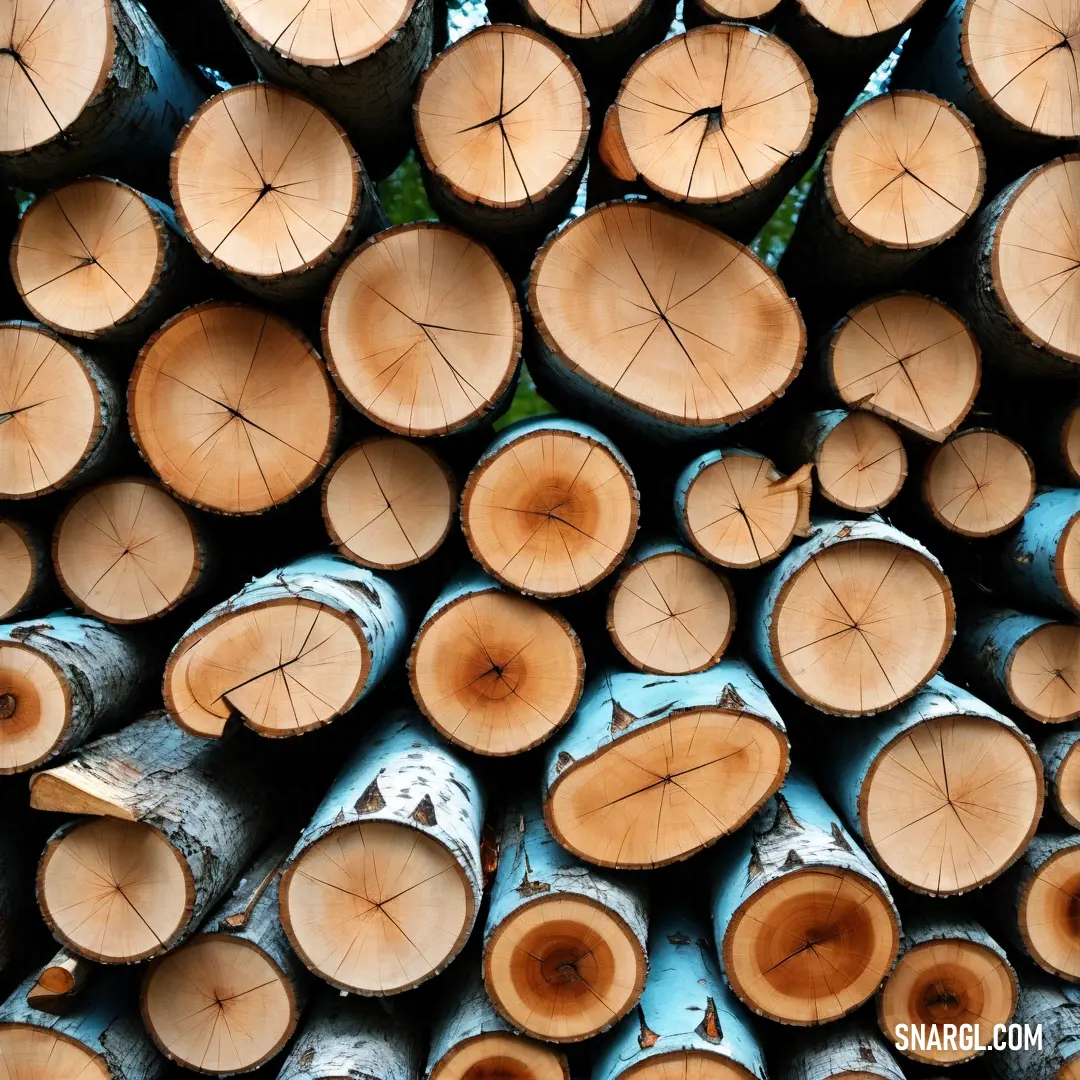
(1059, 767)
(736, 509)
(60, 983)
(172, 820)
(658, 321)
(65, 678)
(422, 331)
(97, 259)
(755, 12)
(669, 612)
(1041, 560)
(290, 652)
(125, 551)
(90, 85)
(565, 943)
(854, 620)
(494, 672)
(269, 190)
(804, 923)
(907, 358)
(25, 567)
(232, 408)
(550, 508)
(651, 770)
(388, 503)
(231, 997)
(837, 1052)
(60, 413)
(382, 889)
(1055, 1006)
(944, 791)
(683, 984)
(951, 971)
(708, 120)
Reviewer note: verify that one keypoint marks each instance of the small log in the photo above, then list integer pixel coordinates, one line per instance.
(382, 889)
(565, 943)
(89, 85)
(232, 408)
(60, 983)
(652, 770)
(60, 413)
(125, 551)
(1055, 1007)
(658, 321)
(25, 567)
(950, 972)
(944, 791)
(422, 331)
(172, 820)
(837, 1052)
(269, 191)
(707, 120)
(97, 259)
(231, 997)
(494, 672)
(805, 926)
(63, 679)
(737, 509)
(1026, 662)
(290, 652)
(388, 503)
(669, 612)
(1041, 560)
(854, 620)
(1062, 774)
(550, 508)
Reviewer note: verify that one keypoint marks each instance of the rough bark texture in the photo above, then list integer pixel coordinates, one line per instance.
(849, 1048)
(1054, 749)
(935, 921)
(1031, 559)
(1056, 1007)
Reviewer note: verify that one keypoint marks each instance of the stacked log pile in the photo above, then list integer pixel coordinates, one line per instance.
(359, 719)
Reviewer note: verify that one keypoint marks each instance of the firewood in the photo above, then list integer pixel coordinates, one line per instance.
(550, 508)
(492, 671)
(656, 320)
(652, 770)
(25, 567)
(565, 943)
(735, 508)
(422, 331)
(230, 998)
(837, 1052)
(232, 408)
(854, 620)
(707, 120)
(501, 124)
(382, 889)
(60, 413)
(806, 928)
(1056, 1007)
(269, 190)
(290, 652)
(754, 12)
(88, 85)
(1041, 559)
(97, 259)
(64, 678)
(1062, 781)
(172, 820)
(944, 791)
(59, 983)
(669, 612)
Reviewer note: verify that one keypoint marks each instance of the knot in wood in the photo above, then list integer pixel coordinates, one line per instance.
(8, 704)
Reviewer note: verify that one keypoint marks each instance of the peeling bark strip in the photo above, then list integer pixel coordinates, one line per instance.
(173, 820)
(549, 912)
(839, 1050)
(661, 767)
(1042, 558)
(1056, 1007)
(402, 869)
(290, 652)
(1062, 774)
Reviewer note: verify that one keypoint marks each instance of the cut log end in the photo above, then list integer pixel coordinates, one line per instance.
(748, 11)
(1069, 444)
(61, 980)
(1047, 914)
(35, 707)
(38, 1053)
(695, 1065)
(855, 19)
(498, 1055)
(440, 304)
(861, 464)
(19, 570)
(584, 20)
(1066, 790)
(1043, 674)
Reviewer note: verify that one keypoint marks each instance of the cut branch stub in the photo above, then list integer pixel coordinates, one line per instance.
(1041, 559)
(232, 408)
(422, 330)
(24, 566)
(651, 770)
(1062, 768)
(908, 358)
(550, 508)
(494, 672)
(60, 982)
(388, 503)
(290, 652)
(658, 320)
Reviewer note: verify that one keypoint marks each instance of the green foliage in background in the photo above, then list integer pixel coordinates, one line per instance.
(403, 195)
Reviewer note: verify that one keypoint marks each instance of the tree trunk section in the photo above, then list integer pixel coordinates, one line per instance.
(60, 983)
(842, 1050)
(1061, 770)
(1056, 1007)
(1042, 558)
(25, 567)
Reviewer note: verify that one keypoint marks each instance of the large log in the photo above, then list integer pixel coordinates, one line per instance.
(842, 1051)
(652, 770)
(804, 923)
(172, 820)
(855, 619)
(290, 652)
(25, 566)
(382, 889)
(494, 672)
(565, 943)
(1041, 560)
(1060, 769)
(1054, 1008)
